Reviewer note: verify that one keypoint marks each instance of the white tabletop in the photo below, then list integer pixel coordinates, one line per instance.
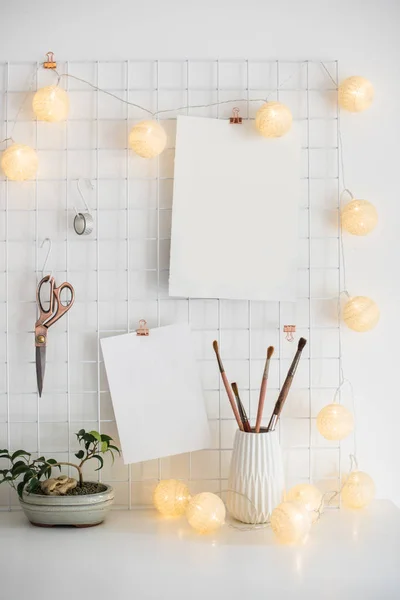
(138, 555)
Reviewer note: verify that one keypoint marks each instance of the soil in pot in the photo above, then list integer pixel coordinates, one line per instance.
(88, 487)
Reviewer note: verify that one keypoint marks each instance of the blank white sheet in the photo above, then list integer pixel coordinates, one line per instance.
(235, 212)
(156, 393)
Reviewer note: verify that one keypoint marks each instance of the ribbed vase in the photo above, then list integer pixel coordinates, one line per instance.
(256, 478)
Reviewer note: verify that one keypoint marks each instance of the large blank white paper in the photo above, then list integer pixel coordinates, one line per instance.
(234, 217)
(156, 393)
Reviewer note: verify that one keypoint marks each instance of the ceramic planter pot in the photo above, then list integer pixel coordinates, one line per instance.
(78, 511)
(256, 476)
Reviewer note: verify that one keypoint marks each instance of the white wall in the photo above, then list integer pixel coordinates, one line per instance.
(363, 36)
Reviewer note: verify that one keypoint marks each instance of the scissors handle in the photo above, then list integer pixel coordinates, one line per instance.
(44, 314)
(61, 308)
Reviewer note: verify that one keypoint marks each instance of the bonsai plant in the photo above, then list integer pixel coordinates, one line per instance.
(62, 500)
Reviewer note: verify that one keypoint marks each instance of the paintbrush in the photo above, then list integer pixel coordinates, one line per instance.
(241, 409)
(286, 386)
(263, 389)
(227, 386)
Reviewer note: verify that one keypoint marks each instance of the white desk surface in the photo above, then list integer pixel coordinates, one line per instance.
(138, 555)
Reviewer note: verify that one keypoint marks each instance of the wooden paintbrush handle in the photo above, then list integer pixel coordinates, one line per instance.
(260, 409)
(283, 395)
(232, 400)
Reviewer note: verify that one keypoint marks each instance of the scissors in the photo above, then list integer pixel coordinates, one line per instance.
(47, 318)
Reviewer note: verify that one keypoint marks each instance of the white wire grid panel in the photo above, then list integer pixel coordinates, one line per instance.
(120, 272)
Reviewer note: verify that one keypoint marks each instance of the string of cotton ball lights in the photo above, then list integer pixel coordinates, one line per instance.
(273, 119)
(357, 217)
(290, 521)
(205, 512)
(147, 138)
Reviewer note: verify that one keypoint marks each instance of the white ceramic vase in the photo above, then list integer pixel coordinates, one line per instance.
(256, 477)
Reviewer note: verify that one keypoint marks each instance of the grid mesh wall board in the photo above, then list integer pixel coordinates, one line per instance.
(120, 271)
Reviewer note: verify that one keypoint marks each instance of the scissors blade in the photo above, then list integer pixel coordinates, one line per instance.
(40, 367)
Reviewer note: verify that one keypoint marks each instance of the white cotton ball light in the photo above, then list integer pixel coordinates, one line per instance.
(206, 512)
(19, 162)
(359, 217)
(51, 104)
(273, 119)
(361, 313)
(358, 490)
(335, 422)
(309, 496)
(148, 139)
(171, 497)
(291, 523)
(355, 94)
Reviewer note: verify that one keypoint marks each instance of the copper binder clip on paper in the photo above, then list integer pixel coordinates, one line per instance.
(143, 330)
(235, 116)
(50, 63)
(289, 330)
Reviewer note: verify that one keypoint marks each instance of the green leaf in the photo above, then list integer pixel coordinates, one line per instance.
(80, 454)
(28, 475)
(112, 456)
(19, 470)
(18, 464)
(99, 458)
(19, 453)
(115, 448)
(3, 451)
(96, 435)
(104, 446)
(53, 461)
(105, 438)
(89, 438)
(20, 488)
(81, 432)
(44, 470)
(33, 484)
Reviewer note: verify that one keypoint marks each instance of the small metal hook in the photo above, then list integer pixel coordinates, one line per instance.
(48, 240)
(81, 193)
(83, 222)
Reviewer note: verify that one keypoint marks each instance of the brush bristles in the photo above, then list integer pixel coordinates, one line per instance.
(270, 352)
(235, 388)
(302, 343)
(215, 346)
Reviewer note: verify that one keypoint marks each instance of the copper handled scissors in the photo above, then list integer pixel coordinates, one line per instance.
(46, 319)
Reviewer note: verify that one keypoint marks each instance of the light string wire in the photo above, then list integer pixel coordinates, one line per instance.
(179, 108)
(343, 290)
(31, 81)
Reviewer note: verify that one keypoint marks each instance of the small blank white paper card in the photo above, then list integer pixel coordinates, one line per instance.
(234, 216)
(156, 393)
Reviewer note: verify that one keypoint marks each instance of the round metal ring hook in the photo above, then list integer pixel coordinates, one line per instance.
(83, 221)
(48, 240)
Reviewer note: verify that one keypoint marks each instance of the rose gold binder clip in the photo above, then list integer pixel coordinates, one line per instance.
(235, 116)
(289, 330)
(50, 63)
(142, 328)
